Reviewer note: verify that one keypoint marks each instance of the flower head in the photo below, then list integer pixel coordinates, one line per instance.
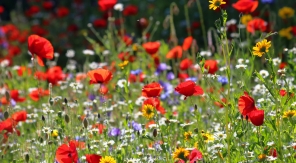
(214, 4)
(181, 153)
(286, 12)
(107, 159)
(261, 48)
(289, 114)
(148, 111)
(187, 135)
(123, 64)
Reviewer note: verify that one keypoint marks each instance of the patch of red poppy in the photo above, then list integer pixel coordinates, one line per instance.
(32, 11)
(36, 94)
(136, 78)
(55, 74)
(38, 30)
(67, 153)
(14, 94)
(176, 52)
(93, 158)
(100, 23)
(40, 47)
(105, 5)
(151, 47)
(152, 90)
(211, 66)
(100, 127)
(1, 9)
(19, 116)
(256, 24)
(246, 104)
(47, 5)
(256, 117)
(99, 76)
(189, 88)
(245, 6)
(62, 12)
(185, 64)
(130, 10)
(187, 43)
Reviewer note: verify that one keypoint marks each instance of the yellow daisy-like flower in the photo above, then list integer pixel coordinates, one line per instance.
(286, 32)
(148, 111)
(261, 48)
(246, 18)
(207, 137)
(107, 159)
(286, 12)
(181, 153)
(261, 157)
(216, 3)
(123, 64)
(289, 114)
(55, 133)
(187, 135)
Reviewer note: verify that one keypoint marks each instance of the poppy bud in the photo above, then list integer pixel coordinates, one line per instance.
(27, 157)
(155, 132)
(7, 95)
(99, 115)
(85, 123)
(6, 114)
(195, 107)
(43, 118)
(247, 117)
(67, 119)
(66, 101)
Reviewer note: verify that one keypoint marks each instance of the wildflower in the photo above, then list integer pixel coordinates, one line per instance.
(118, 7)
(40, 47)
(189, 88)
(181, 153)
(187, 135)
(107, 159)
(246, 18)
(67, 153)
(206, 53)
(185, 64)
(115, 132)
(256, 24)
(214, 4)
(54, 133)
(152, 90)
(207, 137)
(286, 12)
(264, 73)
(195, 155)
(187, 43)
(176, 52)
(106, 4)
(261, 48)
(130, 10)
(70, 53)
(245, 6)
(151, 47)
(93, 158)
(99, 76)
(88, 52)
(156, 103)
(289, 114)
(148, 111)
(261, 157)
(211, 66)
(286, 32)
(123, 64)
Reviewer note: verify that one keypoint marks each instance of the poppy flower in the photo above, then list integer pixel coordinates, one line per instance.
(35, 95)
(130, 10)
(151, 47)
(100, 23)
(283, 92)
(185, 64)
(23, 70)
(152, 90)
(93, 158)
(80, 77)
(62, 12)
(282, 65)
(136, 77)
(99, 76)
(189, 88)
(40, 47)
(19, 116)
(14, 94)
(183, 76)
(55, 74)
(127, 40)
(256, 24)
(67, 153)
(245, 6)
(8, 125)
(176, 52)
(106, 4)
(246, 104)
(187, 43)
(211, 66)
(40, 75)
(32, 11)
(195, 155)
(38, 30)
(256, 117)
(47, 5)
(78, 144)
(13, 50)
(1, 9)
(100, 127)
(156, 103)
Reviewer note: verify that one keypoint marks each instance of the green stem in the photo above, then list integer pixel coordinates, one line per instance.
(199, 8)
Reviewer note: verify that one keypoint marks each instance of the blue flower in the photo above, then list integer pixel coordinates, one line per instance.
(115, 132)
(136, 126)
(223, 80)
(170, 76)
(267, 1)
(136, 72)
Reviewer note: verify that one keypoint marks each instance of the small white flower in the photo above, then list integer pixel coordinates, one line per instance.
(276, 61)
(122, 82)
(106, 52)
(118, 7)
(264, 73)
(70, 53)
(241, 66)
(5, 63)
(270, 143)
(88, 52)
(93, 65)
(206, 53)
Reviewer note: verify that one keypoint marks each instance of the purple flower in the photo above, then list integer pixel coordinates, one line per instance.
(136, 126)
(170, 76)
(223, 80)
(115, 132)
(267, 1)
(191, 78)
(136, 72)
(91, 97)
(162, 67)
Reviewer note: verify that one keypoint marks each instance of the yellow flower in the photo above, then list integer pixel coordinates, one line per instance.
(207, 137)
(216, 3)
(181, 153)
(261, 157)
(286, 12)
(55, 133)
(196, 145)
(123, 64)
(289, 114)
(187, 135)
(261, 48)
(286, 32)
(107, 159)
(135, 47)
(246, 18)
(148, 111)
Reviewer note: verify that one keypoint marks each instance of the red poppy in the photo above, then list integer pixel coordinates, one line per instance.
(32, 11)
(136, 78)
(221, 104)
(40, 47)
(256, 24)
(246, 104)
(126, 56)
(150, 123)
(40, 75)
(127, 40)
(100, 127)
(183, 76)
(189, 88)
(103, 90)
(13, 50)
(14, 94)
(245, 6)
(1, 9)
(62, 12)
(283, 92)
(38, 30)
(282, 65)
(67, 153)
(176, 52)
(187, 43)
(294, 30)
(195, 155)
(257, 117)
(99, 76)
(47, 5)
(8, 125)
(93, 158)
(35, 95)
(152, 90)
(106, 4)
(185, 64)
(100, 23)
(55, 74)
(211, 66)
(151, 47)
(72, 28)
(156, 103)
(19, 116)
(78, 144)
(24, 70)
(130, 10)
